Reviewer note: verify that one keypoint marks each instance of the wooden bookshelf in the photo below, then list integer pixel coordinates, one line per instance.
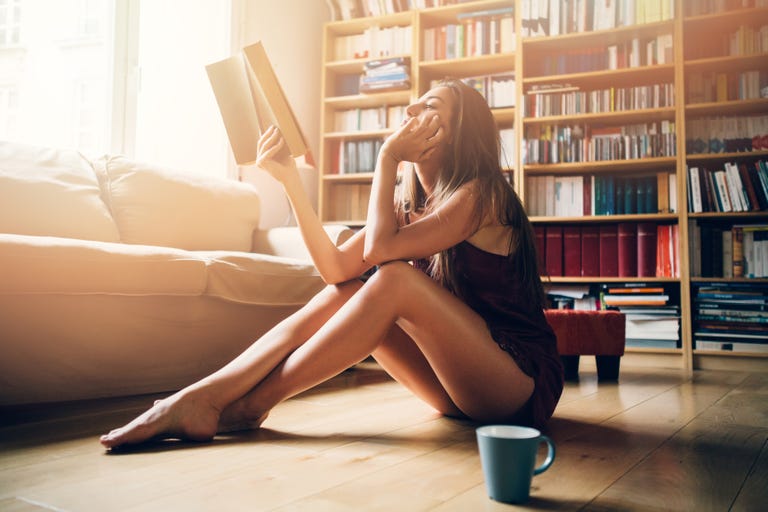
(696, 50)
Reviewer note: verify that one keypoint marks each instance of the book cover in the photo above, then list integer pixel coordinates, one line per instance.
(250, 99)
(646, 249)
(627, 233)
(609, 250)
(572, 251)
(554, 250)
(590, 251)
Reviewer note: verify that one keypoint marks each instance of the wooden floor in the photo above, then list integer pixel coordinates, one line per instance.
(655, 441)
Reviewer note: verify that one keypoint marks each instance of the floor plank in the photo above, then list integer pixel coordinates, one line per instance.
(362, 442)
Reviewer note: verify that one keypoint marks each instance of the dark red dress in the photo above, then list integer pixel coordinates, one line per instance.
(493, 290)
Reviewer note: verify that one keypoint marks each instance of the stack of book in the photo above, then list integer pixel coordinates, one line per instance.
(393, 74)
(731, 317)
(651, 322)
(626, 249)
(734, 187)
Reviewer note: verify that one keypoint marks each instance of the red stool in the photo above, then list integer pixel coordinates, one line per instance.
(597, 333)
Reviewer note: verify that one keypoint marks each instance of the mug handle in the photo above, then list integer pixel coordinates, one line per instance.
(550, 455)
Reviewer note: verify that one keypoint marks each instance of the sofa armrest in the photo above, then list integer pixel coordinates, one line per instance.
(286, 241)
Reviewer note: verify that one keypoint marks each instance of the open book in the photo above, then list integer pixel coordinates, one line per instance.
(250, 99)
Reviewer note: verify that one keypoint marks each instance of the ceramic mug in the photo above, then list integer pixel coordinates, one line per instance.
(508, 459)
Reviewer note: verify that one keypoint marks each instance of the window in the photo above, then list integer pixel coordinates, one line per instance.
(115, 76)
(10, 26)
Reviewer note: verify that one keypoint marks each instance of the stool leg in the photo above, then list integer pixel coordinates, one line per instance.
(571, 368)
(607, 368)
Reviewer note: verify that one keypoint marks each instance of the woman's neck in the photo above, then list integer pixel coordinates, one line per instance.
(428, 175)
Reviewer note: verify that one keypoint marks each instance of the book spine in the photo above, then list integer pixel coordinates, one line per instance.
(646, 249)
(627, 249)
(554, 251)
(590, 251)
(572, 251)
(609, 250)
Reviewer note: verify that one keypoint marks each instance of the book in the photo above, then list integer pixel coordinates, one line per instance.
(590, 251)
(554, 250)
(646, 249)
(609, 250)
(627, 246)
(250, 99)
(572, 251)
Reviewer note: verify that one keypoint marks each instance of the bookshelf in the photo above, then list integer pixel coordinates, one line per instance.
(349, 44)
(606, 106)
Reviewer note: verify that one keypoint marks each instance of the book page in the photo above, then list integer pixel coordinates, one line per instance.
(233, 95)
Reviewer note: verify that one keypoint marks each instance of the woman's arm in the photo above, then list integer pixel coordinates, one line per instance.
(335, 264)
(451, 223)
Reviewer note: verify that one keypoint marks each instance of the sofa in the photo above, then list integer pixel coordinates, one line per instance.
(120, 278)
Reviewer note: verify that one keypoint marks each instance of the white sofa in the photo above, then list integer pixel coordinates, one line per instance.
(120, 278)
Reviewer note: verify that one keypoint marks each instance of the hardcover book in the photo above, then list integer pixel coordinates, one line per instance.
(250, 99)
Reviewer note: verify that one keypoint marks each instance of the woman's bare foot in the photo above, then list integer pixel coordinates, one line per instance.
(239, 416)
(182, 416)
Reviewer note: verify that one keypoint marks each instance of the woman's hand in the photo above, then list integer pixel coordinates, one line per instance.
(273, 156)
(416, 140)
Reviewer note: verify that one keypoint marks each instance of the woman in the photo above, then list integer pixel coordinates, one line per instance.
(462, 327)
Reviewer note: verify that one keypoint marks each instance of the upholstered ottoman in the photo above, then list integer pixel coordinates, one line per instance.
(598, 333)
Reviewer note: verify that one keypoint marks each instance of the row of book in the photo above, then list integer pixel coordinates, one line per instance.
(731, 317)
(627, 249)
(652, 319)
(716, 86)
(701, 7)
(389, 74)
(633, 53)
(555, 17)
(733, 187)
(487, 32)
(745, 40)
(349, 9)
(726, 134)
(498, 90)
(740, 250)
(567, 100)
(374, 43)
(553, 144)
(577, 196)
(369, 119)
(356, 156)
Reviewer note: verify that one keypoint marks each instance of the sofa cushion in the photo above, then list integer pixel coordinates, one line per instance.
(51, 192)
(250, 278)
(50, 265)
(158, 206)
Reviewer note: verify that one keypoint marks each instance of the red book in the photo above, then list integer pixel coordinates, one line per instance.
(627, 249)
(609, 250)
(554, 251)
(572, 251)
(664, 251)
(541, 246)
(590, 251)
(646, 249)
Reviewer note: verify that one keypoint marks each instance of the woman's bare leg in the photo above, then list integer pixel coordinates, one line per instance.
(194, 412)
(452, 362)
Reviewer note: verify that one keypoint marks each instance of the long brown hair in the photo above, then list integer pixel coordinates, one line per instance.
(475, 155)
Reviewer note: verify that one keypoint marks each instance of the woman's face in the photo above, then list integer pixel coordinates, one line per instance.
(438, 101)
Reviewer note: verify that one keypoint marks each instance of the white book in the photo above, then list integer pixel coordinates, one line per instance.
(722, 189)
(695, 189)
(734, 188)
(549, 193)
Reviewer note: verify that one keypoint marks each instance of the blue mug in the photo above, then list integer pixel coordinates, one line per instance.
(508, 459)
